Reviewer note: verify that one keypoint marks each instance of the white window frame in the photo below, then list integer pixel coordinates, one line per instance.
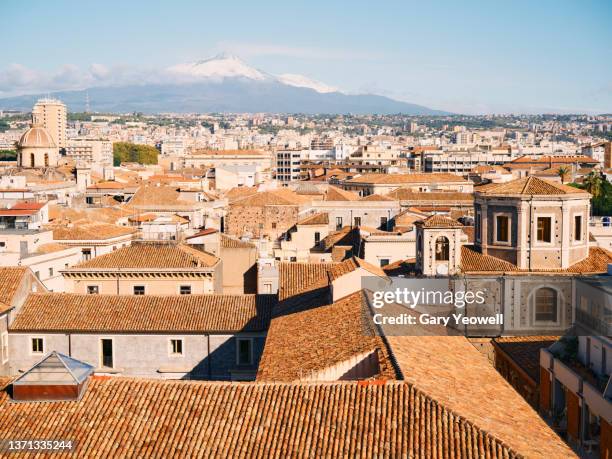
(509, 216)
(553, 222)
(238, 340)
(97, 289)
(170, 348)
(139, 285)
(44, 345)
(4, 347)
(185, 285)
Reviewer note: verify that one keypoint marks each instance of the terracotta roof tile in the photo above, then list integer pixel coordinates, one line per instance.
(530, 186)
(11, 279)
(472, 261)
(299, 278)
(84, 230)
(439, 221)
(377, 197)
(399, 179)
(405, 194)
(144, 313)
(337, 333)
(152, 256)
(228, 242)
(321, 218)
(271, 198)
(350, 265)
(337, 194)
(450, 370)
(524, 351)
(152, 418)
(158, 197)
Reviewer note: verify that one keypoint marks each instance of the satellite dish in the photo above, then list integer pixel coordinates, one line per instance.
(442, 270)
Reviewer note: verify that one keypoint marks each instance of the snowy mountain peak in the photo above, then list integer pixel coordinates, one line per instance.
(226, 65)
(218, 67)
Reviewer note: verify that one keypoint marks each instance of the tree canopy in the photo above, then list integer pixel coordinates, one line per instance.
(126, 152)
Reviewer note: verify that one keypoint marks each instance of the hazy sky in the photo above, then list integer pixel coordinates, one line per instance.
(463, 56)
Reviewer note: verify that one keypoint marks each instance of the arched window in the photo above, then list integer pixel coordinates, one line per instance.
(46, 159)
(546, 305)
(32, 161)
(442, 248)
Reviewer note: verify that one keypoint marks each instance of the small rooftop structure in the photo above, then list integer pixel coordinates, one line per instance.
(56, 377)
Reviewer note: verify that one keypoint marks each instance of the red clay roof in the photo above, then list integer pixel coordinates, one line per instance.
(58, 312)
(301, 345)
(530, 186)
(131, 417)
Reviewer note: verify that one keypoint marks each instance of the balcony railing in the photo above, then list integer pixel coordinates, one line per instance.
(597, 324)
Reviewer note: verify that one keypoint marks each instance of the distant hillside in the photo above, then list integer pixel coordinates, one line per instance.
(224, 84)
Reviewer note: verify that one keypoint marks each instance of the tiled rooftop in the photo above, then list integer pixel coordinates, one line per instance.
(399, 179)
(405, 194)
(451, 371)
(228, 242)
(472, 261)
(271, 198)
(350, 265)
(124, 417)
(439, 221)
(532, 186)
(88, 231)
(321, 218)
(296, 278)
(303, 343)
(524, 351)
(152, 256)
(11, 278)
(61, 312)
(338, 194)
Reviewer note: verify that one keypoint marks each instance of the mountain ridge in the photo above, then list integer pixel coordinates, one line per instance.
(223, 83)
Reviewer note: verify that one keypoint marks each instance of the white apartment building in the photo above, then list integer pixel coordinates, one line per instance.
(600, 151)
(460, 161)
(53, 115)
(90, 152)
(287, 165)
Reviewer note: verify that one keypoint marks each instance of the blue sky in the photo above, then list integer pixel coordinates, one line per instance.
(464, 56)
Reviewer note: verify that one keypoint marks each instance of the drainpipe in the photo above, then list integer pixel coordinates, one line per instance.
(531, 230)
(209, 356)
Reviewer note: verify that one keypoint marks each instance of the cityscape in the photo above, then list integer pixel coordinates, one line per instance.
(245, 248)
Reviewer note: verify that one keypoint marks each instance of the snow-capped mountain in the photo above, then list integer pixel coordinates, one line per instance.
(218, 67)
(225, 66)
(223, 83)
(300, 81)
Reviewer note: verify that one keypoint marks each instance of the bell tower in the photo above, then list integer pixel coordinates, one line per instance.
(438, 245)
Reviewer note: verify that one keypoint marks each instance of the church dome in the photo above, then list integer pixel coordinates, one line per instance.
(36, 137)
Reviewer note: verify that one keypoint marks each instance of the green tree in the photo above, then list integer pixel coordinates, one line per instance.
(563, 172)
(125, 152)
(593, 184)
(8, 155)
